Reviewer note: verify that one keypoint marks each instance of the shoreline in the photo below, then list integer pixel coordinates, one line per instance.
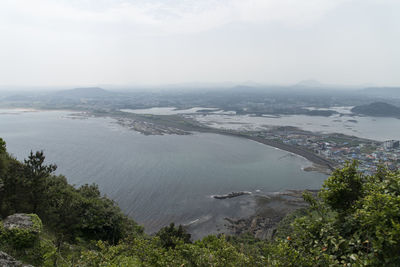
(188, 125)
(313, 158)
(185, 126)
(318, 162)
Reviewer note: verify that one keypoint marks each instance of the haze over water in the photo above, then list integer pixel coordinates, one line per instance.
(156, 179)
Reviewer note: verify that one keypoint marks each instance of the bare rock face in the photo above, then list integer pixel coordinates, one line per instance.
(22, 221)
(21, 230)
(8, 261)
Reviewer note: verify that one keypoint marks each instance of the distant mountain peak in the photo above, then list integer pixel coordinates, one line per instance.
(88, 89)
(84, 92)
(309, 83)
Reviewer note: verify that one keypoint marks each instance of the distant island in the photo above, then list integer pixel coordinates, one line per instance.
(377, 109)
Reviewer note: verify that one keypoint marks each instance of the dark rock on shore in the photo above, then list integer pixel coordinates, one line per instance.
(260, 226)
(272, 208)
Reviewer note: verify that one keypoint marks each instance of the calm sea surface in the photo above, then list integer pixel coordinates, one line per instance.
(155, 179)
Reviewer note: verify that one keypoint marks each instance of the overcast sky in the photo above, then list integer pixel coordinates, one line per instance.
(122, 42)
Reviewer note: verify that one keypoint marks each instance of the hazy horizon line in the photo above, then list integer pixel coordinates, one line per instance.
(311, 83)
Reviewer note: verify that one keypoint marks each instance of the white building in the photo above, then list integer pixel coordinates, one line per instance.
(389, 144)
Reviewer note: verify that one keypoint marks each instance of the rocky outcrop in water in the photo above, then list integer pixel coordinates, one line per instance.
(231, 195)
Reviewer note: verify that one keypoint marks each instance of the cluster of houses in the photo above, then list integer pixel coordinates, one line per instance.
(341, 149)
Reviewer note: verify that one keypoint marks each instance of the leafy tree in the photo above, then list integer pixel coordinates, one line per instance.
(378, 218)
(3, 166)
(329, 234)
(3, 157)
(170, 235)
(343, 188)
(37, 174)
(16, 191)
(63, 210)
(90, 191)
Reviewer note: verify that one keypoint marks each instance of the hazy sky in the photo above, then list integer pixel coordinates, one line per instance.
(121, 42)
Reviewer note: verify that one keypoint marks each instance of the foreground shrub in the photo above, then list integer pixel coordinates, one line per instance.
(354, 221)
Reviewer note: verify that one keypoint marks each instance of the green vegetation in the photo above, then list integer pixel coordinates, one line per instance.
(22, 238)
(350, 142)
(354, 221)
(70, 215)
(377, 109)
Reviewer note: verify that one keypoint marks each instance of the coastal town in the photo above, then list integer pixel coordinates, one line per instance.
(339, 148)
